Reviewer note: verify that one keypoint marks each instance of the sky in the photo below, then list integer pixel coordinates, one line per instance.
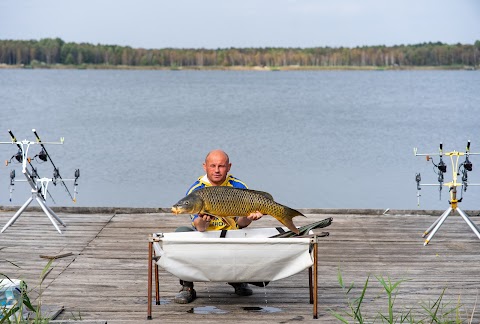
(243, 23)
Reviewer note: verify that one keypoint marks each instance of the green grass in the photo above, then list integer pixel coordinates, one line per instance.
(438, 311)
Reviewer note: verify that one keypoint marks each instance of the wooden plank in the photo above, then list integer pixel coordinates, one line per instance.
(105, 278)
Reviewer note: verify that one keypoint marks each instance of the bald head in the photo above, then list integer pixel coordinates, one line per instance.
(217, 165)
(215, 154)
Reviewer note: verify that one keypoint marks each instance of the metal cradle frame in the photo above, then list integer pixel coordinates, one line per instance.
(153, 272)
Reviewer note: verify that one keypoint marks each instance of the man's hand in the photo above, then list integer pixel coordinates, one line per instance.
(255, 216)
(245, 221)
(201, 222)
(206, 218)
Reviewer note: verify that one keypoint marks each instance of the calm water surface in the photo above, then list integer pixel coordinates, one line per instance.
(311, 139)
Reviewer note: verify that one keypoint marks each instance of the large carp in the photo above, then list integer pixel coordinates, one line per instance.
(223, 202)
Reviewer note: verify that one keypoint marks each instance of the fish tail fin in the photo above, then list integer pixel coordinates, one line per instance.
(286, 219)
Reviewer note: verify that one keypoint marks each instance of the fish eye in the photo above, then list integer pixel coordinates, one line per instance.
(186, 203)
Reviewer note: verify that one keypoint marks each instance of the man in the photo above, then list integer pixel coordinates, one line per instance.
(216, 165)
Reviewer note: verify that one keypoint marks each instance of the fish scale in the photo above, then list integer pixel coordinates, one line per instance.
(222, 202)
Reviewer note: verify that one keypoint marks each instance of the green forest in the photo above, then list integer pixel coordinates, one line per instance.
(54, 52)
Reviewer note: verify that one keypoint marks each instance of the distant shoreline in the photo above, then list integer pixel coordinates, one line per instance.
(238, 68)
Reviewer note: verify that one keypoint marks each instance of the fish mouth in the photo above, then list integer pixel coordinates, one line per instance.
(175, 210)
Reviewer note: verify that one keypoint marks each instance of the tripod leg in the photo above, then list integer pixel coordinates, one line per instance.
(55, 215)
(45, 210)
(17, 214)
(435, 223)
(437, 226)
(469, 222)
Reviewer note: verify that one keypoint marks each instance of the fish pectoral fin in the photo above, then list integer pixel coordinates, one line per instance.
(230, 221)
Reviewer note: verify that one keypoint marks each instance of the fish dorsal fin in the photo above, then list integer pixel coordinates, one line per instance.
(263, 193)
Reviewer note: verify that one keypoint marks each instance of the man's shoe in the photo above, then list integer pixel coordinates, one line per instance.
(241, 289)
(185, 296)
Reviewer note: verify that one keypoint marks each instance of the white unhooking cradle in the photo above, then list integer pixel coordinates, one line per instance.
(243, 255)
(246, 255)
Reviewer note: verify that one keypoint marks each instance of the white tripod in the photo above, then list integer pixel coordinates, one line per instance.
(430, 232)
(39, 189)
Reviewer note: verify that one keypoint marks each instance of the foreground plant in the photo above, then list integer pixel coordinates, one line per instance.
(354, 305)
(16, 310)
(392, 289)
(439, 312)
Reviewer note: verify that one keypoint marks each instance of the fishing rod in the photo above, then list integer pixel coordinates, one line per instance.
(19, 157)
(56, 173)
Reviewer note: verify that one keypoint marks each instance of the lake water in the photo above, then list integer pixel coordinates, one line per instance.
(329, 139)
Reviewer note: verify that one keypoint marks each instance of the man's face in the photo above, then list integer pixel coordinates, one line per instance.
(217, 167)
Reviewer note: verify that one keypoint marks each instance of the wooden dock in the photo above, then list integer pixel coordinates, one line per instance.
(105, 277)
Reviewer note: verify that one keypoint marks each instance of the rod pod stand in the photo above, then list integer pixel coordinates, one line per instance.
(37, 193)
(430, 232)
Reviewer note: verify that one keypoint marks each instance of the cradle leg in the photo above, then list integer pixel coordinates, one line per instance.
(310, 284)
(315, 279)
(157, 285)
(149, 297)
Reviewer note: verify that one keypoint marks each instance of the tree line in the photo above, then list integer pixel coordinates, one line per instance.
(51, 51)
